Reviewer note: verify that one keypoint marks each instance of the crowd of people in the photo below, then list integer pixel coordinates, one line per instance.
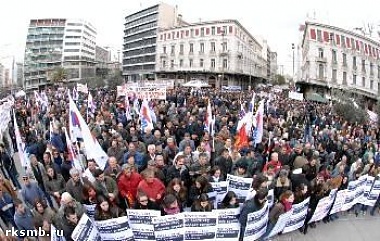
(306, 151)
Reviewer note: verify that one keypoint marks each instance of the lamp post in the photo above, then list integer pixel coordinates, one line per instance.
(293, 47)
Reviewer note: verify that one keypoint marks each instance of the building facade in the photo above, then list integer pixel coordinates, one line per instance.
(219, 52)
(140, 39)
(336, 58)
(56, 43)
(273, 65)
(1, 75)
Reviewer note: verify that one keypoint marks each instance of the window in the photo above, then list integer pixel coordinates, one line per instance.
(212, 30)
(370, 69)
(319, 35)
(333, 55)
(172, 51)
(320, 52)
(212, 46)
(192, 33)
(164, 49)
(181, 63)
(191, 48)
(344, 57)
(354, 79)
(163, 64)
(354, 62)
(202, 47)
(334, 75)
(224, 46)
(202, 32)
(225, 63)
(371, 84)
(190, 63)
(320, 71)
(171, 63)
(345, 78)
(378, 72)
(181, 49)
(212, 63)
(343, 41)
(363, 81)
(201, 63)
(363, 65)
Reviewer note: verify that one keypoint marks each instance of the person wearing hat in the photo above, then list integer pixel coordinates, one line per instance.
(31, 191)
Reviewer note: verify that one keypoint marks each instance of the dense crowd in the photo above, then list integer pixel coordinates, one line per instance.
(306, 151)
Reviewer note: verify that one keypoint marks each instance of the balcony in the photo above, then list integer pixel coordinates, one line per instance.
(223, 53)
(163, 55)
(212, 52)
(321, 78)
(321, 59)
(201, 52)
(334, 63)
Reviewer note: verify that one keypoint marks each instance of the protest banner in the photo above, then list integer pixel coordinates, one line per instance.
(295, 96)
(339, 201)
(349, 201)
(228, 228)
(367, 189)
(169, 228)
(116, 229)
(221, 189)
(200, 225)
(270, 198)
(90, 210)
(256, 224)
(86, 230)
(239, 185)
(323, 207)
(297, 219)
(141, 223)
(280, 224)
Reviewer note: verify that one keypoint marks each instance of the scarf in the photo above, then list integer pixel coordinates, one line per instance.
(170, 211)
(287, 205)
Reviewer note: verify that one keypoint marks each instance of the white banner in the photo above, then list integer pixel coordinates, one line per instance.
(297, 219)
(374, 194)
(240, 186)
(169, 228)
(221, 189)
(323, 207)
(200, 225)
(86, 230)
(367, 190)
(90, 210)
(295, 96)
(228, 227)
(116, 229)
(256, 224)
(349, 200)
(280, 224)
(339, 201)
(141, 223)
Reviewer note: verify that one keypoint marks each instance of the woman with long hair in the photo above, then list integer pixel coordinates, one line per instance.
(106, 210)
(200, 186)
(180, 191)
(230, 201)
(55, 184)
(202, 204)
(90, 196)
(43, 212)
(143, 202)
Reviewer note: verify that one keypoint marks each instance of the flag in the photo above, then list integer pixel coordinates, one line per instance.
(72, 153)
(252, 104)
(91, 106)
(82, 88)
(259, 119)
(92, 146)
(242, 112)
(241, 139)
(51, 131)
(146, 117)
(152, 113)
(127, 109)
(75, 94)
(212, 131)
(74, 125)
(20, 145)
(208, 118)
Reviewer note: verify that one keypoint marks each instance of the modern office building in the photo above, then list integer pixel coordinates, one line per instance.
(336, 58)
(56, 43)
(140, 40)
(221, 53)
(1, 74)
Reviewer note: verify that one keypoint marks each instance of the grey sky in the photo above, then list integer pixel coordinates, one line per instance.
(276, 21)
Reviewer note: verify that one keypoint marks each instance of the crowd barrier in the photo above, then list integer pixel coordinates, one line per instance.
(221, 224)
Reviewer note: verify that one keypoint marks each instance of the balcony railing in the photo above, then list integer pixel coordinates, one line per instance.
(321, 59)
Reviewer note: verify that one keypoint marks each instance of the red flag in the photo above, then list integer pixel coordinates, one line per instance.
(241, 139)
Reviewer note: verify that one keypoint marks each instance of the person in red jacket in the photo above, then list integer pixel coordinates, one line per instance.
(151, 186)
(127, 183)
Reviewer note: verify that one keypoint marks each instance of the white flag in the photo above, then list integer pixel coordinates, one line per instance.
(20, 145)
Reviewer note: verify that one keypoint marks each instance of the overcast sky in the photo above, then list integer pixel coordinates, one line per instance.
(275, 20)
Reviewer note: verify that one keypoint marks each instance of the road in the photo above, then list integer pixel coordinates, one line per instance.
(346, 228)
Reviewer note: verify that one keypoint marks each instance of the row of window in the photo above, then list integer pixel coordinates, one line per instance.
(139, 44)
(139, 36)
(44, 36)
(142, 13)
(345, 42)
(321, 75)
(139, 60)
(140, 28)
(191, 48)
(194, 32)
(147, 19)
(334, 60)
(191, 63)
(149, 67)
(140, 51)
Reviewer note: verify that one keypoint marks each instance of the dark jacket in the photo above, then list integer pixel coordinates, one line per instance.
(114, 212)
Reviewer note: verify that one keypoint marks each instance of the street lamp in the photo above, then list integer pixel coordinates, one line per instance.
(293, 47)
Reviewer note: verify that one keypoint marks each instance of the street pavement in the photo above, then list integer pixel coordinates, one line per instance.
(346, 228)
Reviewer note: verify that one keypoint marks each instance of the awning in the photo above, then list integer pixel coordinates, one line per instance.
(312, 96)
